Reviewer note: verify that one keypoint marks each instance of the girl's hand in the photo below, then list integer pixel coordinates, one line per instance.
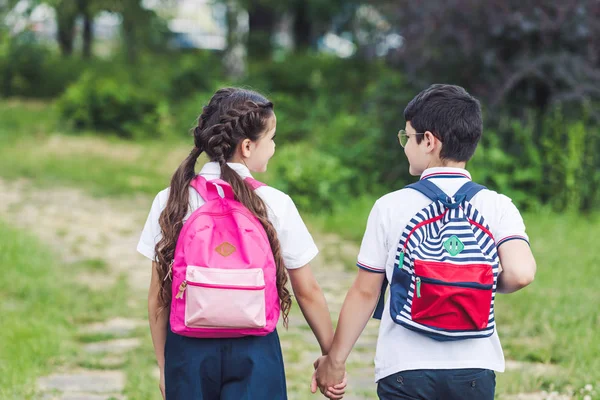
(324, 367)
(161, 384)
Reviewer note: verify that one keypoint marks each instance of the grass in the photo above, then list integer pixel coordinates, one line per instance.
(41, 308)
(32, 334)
(30, 147)
(554, 321)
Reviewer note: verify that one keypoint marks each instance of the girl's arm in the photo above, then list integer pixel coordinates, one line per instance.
(313, 305)
(356, 312)
(158, 324)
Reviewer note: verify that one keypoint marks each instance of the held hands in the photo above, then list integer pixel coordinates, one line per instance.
(330, 377)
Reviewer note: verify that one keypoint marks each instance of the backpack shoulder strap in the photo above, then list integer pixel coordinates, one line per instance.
(212, 190)
(254, 183)
(469, 190)
(378, 313)
(428, 189)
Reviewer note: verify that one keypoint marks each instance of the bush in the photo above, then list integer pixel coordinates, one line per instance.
(156, 98)
(109, 104)
(552, 161)
(315, 180)
(516, 173)
(193, 73)
(31, 69)
(358, 142)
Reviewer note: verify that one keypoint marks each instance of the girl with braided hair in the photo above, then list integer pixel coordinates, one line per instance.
(236, 130)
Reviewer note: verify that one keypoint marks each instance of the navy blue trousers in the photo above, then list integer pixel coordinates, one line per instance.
(246, 368)
(443, 384)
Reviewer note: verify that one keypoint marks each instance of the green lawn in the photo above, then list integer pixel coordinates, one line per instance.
(557, 319)
(42, 306)
(554, 321)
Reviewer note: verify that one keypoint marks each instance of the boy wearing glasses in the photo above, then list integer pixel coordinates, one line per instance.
(431, 353)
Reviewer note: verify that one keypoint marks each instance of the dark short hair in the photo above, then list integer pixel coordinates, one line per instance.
(452, 115)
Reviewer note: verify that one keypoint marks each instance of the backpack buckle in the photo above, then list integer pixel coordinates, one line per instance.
(450, 202)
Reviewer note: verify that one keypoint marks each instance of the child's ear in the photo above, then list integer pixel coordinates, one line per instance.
(430, 140)
(246, 148)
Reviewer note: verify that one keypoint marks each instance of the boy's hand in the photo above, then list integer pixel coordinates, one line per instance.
(330, 378)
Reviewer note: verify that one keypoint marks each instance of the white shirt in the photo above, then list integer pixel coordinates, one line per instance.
(400, 349)
(297, 245)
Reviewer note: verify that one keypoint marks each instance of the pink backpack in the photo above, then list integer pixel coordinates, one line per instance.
(224, 272)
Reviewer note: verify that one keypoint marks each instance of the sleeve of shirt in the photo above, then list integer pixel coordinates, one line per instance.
(373, 250)
(297, 245)
(511, 225)
(152, 232)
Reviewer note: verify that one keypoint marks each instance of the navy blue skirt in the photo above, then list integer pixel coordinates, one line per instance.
(246, 368)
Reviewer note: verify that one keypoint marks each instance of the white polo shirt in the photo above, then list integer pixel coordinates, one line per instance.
(297, 245)
(398, 348)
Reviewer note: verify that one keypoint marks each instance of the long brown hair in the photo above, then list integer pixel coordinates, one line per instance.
(231, 116)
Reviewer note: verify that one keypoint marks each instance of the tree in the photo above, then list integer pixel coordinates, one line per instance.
(66, 15)
(510, 52)
(87, 11)
(262, 20)
(139, 25)
(67, 12)
(311, 19)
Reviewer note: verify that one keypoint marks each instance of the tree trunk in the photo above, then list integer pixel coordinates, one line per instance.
(66, 14)
(88, 34)
(237, 35)
(261, 19)
(302, 28)
(129, 38)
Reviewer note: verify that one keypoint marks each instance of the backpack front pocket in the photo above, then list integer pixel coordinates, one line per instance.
(224, 298)
(452, 296)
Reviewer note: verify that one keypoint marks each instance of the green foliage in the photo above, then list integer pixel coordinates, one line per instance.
(348, 113)
(141, 101)
(570, 162)
(311, 74)
(30, 69)
(107, 104)
(193, 73)
(551, 161)
(508, 161)
(315, 180)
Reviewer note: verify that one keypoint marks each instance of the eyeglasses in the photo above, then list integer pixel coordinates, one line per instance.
(403, 137)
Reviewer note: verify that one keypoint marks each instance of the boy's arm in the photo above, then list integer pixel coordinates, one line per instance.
(313, 305)
(518, 266)
(356, 311)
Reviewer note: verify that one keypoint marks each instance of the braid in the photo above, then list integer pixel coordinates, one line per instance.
(232, 125)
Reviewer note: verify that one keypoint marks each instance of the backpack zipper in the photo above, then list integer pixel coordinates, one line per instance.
(468, 285)
(181, 290)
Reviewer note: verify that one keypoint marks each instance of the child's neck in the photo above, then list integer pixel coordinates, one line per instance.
(447, 163)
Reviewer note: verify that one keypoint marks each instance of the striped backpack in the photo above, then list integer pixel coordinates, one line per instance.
(446, 270)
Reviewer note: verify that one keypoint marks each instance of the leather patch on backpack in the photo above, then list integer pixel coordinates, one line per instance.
(225, 249)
